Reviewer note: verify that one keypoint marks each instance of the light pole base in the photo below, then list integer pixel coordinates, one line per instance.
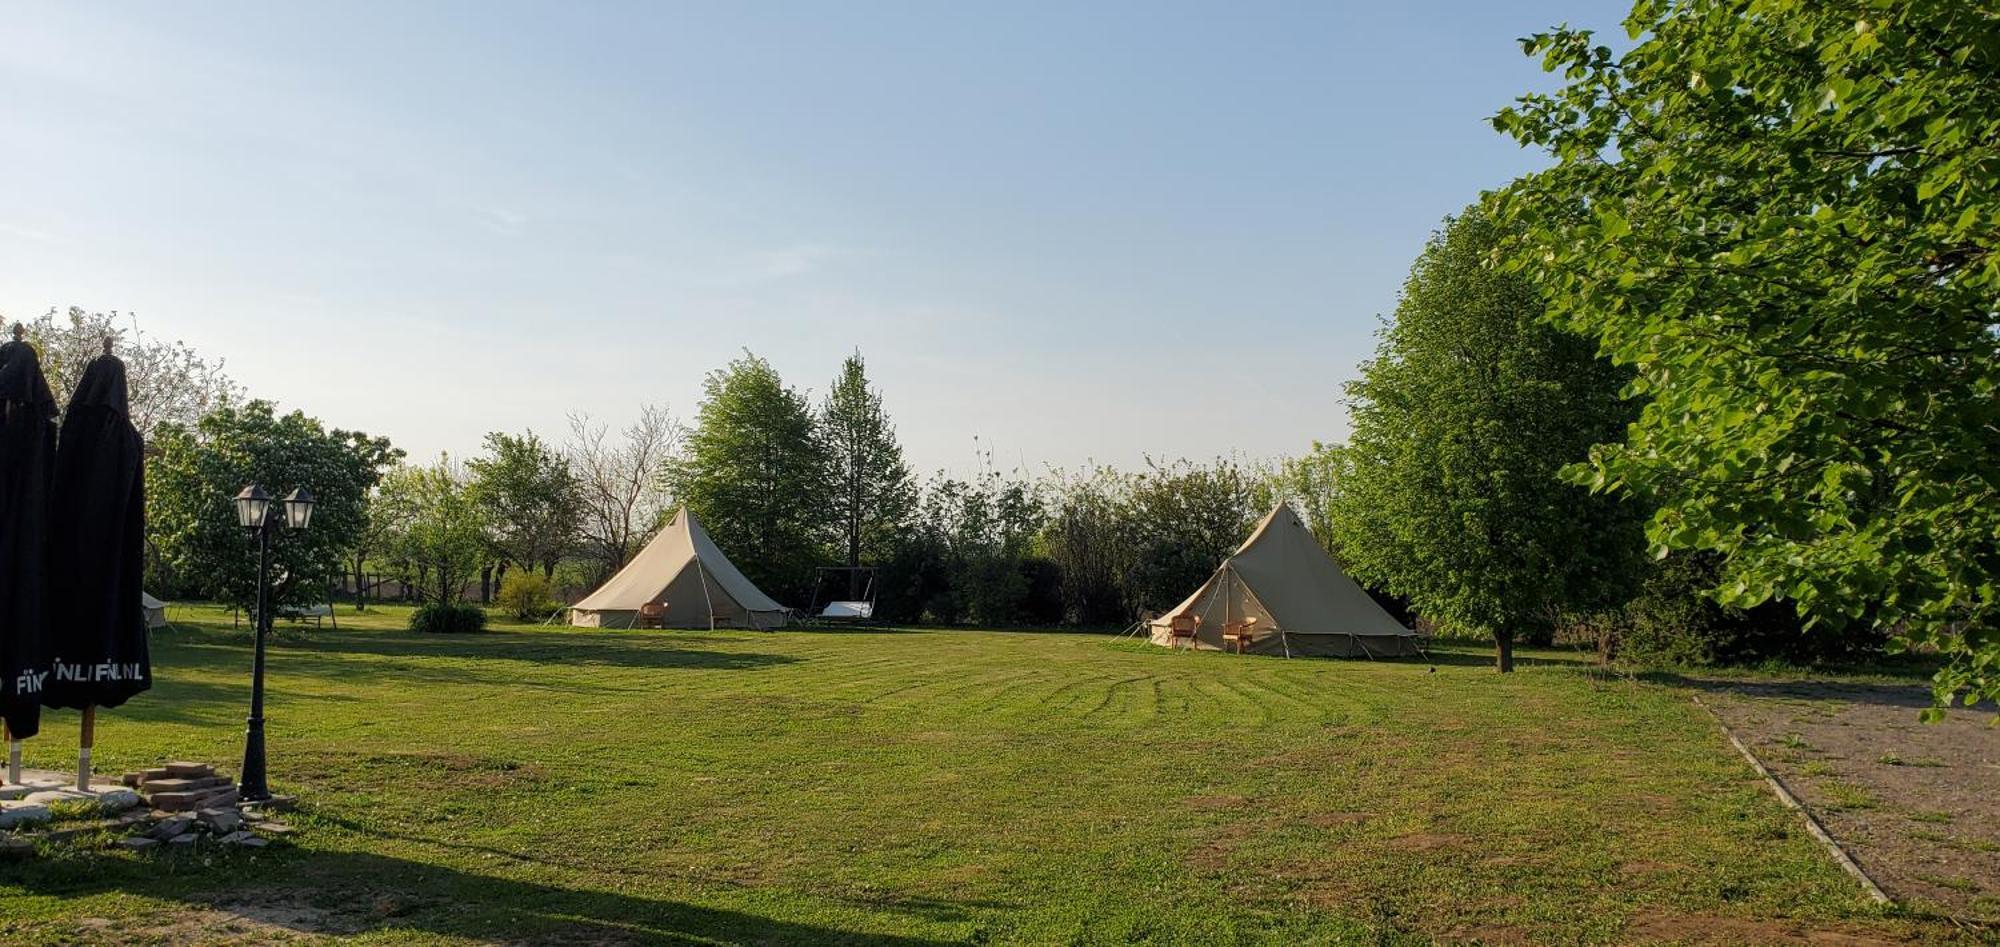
(253, 787)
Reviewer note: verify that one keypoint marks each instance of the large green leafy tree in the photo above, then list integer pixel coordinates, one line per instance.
(439, 540)
(756, 472)
(532, 500)
(872, 494)
(1783, 214)
(1450, 494)
(195, 472)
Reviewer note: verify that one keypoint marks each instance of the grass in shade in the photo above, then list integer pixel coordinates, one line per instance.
(536, 784)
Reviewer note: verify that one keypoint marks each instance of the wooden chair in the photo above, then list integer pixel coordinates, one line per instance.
(1184, 627)
(653, 615)
(1239, 633)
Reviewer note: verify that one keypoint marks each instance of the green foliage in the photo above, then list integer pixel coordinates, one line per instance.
(872, 495)
(1449, 495)
(1670, 621)
(195, 472)
(527, 596)
(438, 540)
(1088, 539)
(1783, 214)
(1186, 519)
(448, 618)
(531, 499)
(1310, 483)
(756, 472)
(1127, 544)
(965, 556)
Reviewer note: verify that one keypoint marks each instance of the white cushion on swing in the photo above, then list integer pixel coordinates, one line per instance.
(848, 610)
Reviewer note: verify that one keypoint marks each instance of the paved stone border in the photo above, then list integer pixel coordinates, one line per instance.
(1813, 825)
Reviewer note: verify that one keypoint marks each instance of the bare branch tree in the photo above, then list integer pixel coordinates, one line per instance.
(168, 381)
(624, 499)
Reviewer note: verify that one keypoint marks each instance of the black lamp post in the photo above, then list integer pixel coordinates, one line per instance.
(256, 511)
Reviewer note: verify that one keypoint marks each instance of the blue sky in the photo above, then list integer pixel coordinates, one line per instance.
(1079, 231)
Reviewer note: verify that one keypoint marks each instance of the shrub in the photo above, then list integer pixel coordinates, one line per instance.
(448, 618)
(527, 595)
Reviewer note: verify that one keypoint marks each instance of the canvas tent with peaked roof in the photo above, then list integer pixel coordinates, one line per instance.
(683, 571)
(1302, 602)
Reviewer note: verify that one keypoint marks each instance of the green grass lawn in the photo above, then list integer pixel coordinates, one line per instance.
(919, 787)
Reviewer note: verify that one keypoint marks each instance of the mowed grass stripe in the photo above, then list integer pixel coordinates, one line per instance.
(934, 786)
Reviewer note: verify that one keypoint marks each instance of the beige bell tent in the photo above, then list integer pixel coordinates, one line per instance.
(1300, 600)
(692, 582)
(156, 611)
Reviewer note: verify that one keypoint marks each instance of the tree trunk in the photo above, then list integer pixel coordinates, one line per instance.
(360, 583)
(1503, 642)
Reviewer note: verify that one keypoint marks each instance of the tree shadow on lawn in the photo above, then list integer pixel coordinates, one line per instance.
(348, 893)
(1912, 696)
(223, 650)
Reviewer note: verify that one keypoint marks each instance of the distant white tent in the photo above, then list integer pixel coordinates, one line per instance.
(689, 580)
(1290, 597)
(156, 611)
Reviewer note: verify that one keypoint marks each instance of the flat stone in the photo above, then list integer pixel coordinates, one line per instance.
(138, 843)
(277, 803)
(184, 840)
(132, 780)
(46, 796)
(253, 842)
(11, 791)
(22, 813)
(191, 770)
(195, 799)
(15, 847)
(183, 783)
(116, 800)
(272, 828)
(172, 826)
(221, 821)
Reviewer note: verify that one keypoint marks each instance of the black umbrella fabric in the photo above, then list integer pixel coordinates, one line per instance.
(27, 464)
(98, 637)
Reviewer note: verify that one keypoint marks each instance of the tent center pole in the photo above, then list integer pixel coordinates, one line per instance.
(702, 574)
(13, 754)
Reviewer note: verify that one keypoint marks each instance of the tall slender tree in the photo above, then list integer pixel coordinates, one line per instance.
(755, 470)
(871, 490)
(1462, 422)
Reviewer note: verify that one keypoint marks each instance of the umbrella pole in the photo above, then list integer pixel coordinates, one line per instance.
(13, 754)
(83, 747)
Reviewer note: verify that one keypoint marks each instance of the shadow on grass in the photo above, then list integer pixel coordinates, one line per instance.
(351, 893)
(1912, 696)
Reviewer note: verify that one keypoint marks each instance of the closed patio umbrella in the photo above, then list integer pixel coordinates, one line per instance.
(97, 640)
(27, 462)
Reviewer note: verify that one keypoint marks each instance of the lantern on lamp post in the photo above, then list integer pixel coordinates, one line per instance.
(255, 510)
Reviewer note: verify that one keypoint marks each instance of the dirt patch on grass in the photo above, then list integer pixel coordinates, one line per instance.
(1719, 931)
(1426, 841)
(1917, 805)
(1218, 802)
